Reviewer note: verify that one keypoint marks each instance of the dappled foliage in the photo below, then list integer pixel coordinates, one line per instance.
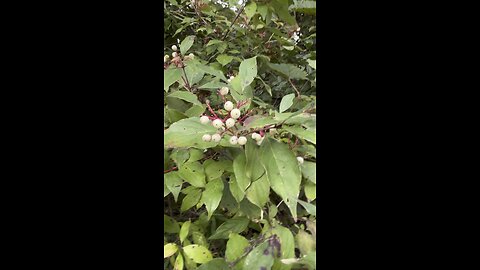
(240, 125)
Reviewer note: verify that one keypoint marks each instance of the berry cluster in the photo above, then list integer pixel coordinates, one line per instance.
(176, 58)
(228, 122)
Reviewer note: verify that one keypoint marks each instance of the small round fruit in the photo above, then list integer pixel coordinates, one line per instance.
(174, 48)
(191, 55)
(224, 91)
(174, 54)
(232, 77)
(165, 58)
(300, 160)
(256, 136)
(242, 140)
(216, 137)
(230, 122)
(228, 106)
(273, 131)
(233, 140)
(207, 138)
(235, 113)
(217, 123)
(204, 120)
(260, 141)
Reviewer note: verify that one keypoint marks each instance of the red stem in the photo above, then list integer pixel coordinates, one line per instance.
(210, 109)
(172, 169)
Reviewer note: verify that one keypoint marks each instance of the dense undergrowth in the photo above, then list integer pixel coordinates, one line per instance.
(240, 126)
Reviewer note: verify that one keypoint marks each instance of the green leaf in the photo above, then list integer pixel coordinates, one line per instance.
(305, 242)
(281, 9)
(212, 195)
(260, 257)
(186, 44)
(169, 249)
(259, 191)
(224, 59)
(195, 111)
(179, 262)
(289, 71)
(234, 225)
(287, 243)
(170, 76)
(236, 246)
(247, 72)
(283, 172)
(170, 225)
(310, 191)
(215, 169)
(306, 134)
(191, 199)
(235, 189)
(215, 264)
(307, 7)
(193, 173)
(173, 183)
(184, 230)
(197, 253)
(311, 209)
(188, 133)
(287, 102)
(187, 96)
(250, 9)
(239, 164)
(312, 63)
(213, 85)
(309, 171)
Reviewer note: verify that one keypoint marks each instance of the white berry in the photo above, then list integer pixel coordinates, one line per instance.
(216, 137)
(260, 141)
(217, 123)
(228, 106)
(300, 160)
(233, 140)
(232, 77)
(273, 131)
(235, 113)
(256, 136)
(191, 56)
(206, 138)
(204, 120)
(174, 54)
(242, 140)
(230, 122)
(174, 48)
(224, 91)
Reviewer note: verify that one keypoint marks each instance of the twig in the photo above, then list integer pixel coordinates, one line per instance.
(238, 15)
(186, 78)
(210, 108)
(296, 90)
(169, 170)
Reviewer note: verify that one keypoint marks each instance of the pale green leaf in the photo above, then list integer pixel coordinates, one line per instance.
(212, 195)
(186, 44)
(287, 102)
(197, 253)
(169, 249)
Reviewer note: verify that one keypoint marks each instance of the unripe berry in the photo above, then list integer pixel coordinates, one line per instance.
(174, 48)
(235, 113)
(228, 106)
(206, 138)
(165, 58)
(242, 140)
(174, 54)
(217, 123)
(233, 140)
(256, 136)
(204, 120)
(300, 160)
(224, 91)
(230, 122)
(191, 55)
(216, 137)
